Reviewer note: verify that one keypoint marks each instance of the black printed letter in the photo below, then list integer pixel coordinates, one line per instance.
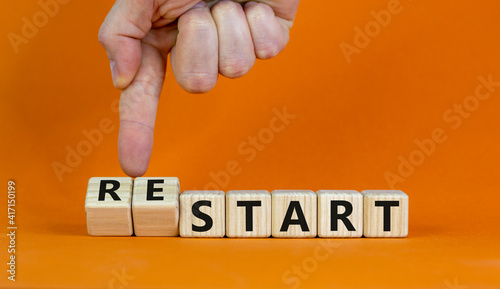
(111, 192)
(336, 216)
(151, 190)
(248, 212)
(301, 220)
(208, 220)
(387, 212)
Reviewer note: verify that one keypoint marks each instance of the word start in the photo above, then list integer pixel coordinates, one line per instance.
(155, 207)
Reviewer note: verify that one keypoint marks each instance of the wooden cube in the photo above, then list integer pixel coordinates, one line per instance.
(340, 213)
(155, 206)
(385, 213)
(294, 214)
(248, 214)
(202, 214)
(108, 207)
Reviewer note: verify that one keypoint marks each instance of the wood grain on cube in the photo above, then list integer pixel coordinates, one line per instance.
(202, 214)
(155, 206)
(248, 214)
(294, 213)
(108, 207)
(385, 213)
(340, 213)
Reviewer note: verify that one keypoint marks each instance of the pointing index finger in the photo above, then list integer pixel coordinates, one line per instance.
(138, 105)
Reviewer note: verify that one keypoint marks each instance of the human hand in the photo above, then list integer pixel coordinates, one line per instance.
(203, 42)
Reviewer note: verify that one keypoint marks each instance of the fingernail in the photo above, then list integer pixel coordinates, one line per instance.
(114, 73)
(200, 4)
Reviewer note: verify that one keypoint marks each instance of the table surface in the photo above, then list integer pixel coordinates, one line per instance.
(358, 123)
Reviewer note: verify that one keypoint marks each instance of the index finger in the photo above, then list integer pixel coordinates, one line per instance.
(138, 105)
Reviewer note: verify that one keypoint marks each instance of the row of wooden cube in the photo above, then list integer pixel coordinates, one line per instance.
(154, 207)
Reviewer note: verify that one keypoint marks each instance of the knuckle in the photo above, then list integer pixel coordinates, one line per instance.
(139, 91)
(103, 35)
(224, 7)
(149, 87)
(195, 20)
(259, 12)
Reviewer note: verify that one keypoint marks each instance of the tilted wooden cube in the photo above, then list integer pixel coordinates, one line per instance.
(155, 206)
(248, 214)
(340, 213)
(294, 213)
(108, 207)
(385, 213)
(202, 214)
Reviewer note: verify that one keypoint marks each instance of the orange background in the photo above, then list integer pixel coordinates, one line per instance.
(353, 122)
